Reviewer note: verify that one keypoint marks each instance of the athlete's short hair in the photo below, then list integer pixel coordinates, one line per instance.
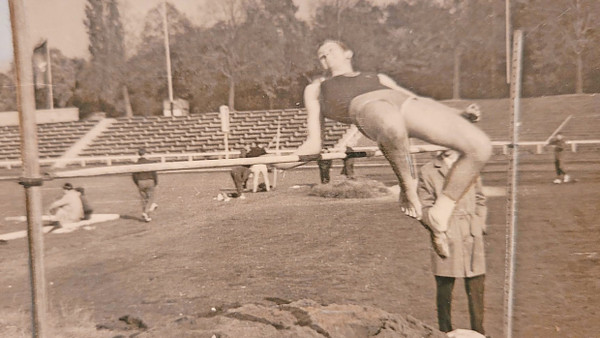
(342, 45)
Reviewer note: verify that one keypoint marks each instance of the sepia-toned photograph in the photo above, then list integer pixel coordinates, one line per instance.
(299, 168)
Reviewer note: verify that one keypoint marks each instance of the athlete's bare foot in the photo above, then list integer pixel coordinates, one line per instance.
(411, 206)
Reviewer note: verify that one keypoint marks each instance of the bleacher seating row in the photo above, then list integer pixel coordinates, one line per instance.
(202, 133)
(53, 138)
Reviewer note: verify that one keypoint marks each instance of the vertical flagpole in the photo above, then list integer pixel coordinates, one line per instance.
(168, 55)
(31, 179)
(49, 77)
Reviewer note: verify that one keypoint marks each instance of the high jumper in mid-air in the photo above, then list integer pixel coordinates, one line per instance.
(389, 114)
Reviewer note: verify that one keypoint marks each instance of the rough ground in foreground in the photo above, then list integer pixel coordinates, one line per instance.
(303, 318)
(351, 188)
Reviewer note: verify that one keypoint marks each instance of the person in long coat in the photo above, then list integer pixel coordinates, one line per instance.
(466, 228)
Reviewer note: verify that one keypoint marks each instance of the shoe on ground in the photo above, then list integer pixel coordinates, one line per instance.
(440, 244)
(146, 217)
(153, 207)
(557, 181)
(567, 179)
(242, 197)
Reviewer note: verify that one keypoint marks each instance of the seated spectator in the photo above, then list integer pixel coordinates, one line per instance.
(256, 171)
(240, 174)
(87, 207)
(68, 208)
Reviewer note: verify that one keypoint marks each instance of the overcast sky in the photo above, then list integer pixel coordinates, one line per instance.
(61, 22)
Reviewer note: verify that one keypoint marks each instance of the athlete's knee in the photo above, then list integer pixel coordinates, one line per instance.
(484, 149)
(479, 148)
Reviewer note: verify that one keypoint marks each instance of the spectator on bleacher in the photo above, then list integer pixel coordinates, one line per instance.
(68, 208)
(389, 115)
(87, 207)
(146, 182)
(559, 144)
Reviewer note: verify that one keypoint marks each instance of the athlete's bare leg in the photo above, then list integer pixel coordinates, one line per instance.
(436, 123)
(383, 123)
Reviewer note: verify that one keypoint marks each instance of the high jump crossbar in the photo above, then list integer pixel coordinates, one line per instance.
(205, 164)
(357, 152)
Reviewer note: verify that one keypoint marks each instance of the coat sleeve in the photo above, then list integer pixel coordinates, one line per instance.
(426, 192)
(480, 206)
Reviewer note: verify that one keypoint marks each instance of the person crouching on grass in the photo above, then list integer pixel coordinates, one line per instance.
(389, 114)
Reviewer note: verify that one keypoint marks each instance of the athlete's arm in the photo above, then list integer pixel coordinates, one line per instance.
(312, 144)
(388, 82)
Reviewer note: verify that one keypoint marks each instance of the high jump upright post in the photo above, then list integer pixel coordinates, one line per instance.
(277, 149)
(511, 205)
(31, 178)
(508, 28)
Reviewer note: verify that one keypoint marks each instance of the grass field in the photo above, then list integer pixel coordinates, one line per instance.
(198, 253)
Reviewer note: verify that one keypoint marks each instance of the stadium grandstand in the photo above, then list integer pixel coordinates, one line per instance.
(199, 136)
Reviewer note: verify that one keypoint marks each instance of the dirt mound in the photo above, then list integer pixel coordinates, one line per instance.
(351, 188)
(303, 318)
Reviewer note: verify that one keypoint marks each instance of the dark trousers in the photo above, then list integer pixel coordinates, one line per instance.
(348, 169)
(559, 171)
(324, 168)
(474, 287)
(240, 176)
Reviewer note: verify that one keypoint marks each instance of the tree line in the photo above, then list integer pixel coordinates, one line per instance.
(259, 55)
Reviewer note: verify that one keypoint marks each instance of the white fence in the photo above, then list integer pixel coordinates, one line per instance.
(538, 147)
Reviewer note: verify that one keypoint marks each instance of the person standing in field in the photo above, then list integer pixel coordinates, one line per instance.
(559, 144)
(466, 228)
(146, 182)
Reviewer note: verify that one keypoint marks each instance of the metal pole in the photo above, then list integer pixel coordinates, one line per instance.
(49, 75)
(31, 179)
(277, 149)
(558, 129)
(511, 205)
(168, 55)
(227, 145)
(508, 44)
